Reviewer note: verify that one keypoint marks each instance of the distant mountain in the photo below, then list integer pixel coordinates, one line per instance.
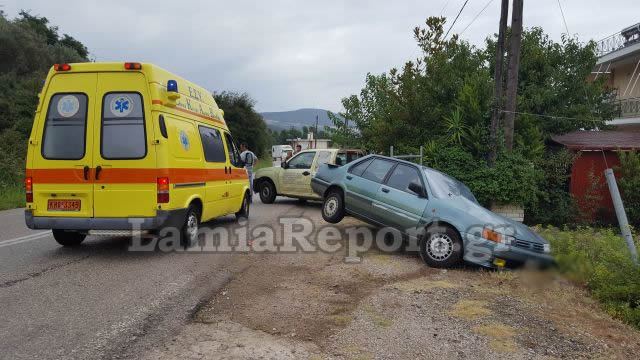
(280, 120)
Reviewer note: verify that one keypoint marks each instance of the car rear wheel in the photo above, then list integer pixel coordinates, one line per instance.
(68, 238)
(441, 247)
(191, 227)
(243, 213)
(267, 192)
(333, 207)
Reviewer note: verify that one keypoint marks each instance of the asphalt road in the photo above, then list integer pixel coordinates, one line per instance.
(100, 300)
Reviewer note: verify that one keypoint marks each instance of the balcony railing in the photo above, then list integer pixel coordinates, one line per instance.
(628, 107)
(617, 41)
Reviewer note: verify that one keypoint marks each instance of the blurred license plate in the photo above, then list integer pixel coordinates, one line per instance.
(63, 205)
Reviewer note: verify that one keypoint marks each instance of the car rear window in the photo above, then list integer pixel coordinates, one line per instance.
(65, 127)
(123, 133)
(212, 144)
(360, 167)
(377, 170)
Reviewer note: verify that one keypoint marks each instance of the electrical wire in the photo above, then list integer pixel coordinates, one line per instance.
(444, 7)
(563, 19)
(476, 17)
(456, 19)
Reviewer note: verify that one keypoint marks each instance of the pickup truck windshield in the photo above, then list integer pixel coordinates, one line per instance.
(444, 186)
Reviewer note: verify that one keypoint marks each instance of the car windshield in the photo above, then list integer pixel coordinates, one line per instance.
(444, 186)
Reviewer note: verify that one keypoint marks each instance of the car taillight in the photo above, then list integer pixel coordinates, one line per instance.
(163, 190)
(28, 189)
(132, 66)
(61, 67)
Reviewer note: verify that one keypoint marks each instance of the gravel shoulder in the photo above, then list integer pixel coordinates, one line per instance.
(391, 306)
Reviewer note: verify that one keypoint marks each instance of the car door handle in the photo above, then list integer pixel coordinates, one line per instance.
(349, 177)
(86, 172)
(306, 173)
(385, 190)
(98, 170)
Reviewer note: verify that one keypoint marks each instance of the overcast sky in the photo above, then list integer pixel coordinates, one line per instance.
(295, 54)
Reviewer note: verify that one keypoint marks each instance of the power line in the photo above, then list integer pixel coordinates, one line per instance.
(456, 19)
(563, 19)
(477, 15)
(444, 7)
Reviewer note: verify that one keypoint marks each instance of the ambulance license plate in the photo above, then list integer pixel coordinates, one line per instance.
(63, 205)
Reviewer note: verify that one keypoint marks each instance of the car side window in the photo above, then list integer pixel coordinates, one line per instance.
(402, 176)
(360, 167)
(378, 170)
(302, 161)
(234, 153)
(323, 157)
(212, 145)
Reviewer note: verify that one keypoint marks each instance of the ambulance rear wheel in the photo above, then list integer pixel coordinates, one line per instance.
(68, 238)
(243, 213)
(267, 192)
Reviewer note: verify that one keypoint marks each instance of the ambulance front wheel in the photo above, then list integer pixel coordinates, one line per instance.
(68, 238)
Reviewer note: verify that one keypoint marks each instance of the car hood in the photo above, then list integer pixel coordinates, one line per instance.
(485, 217)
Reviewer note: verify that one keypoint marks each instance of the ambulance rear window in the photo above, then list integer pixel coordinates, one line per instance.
(123, 134)
(65, 127)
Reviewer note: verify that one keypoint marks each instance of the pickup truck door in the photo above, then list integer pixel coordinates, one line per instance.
(295, 178)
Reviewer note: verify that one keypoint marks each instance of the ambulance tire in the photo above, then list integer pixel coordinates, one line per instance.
(243, 213)
(189, 231)
(68, 238)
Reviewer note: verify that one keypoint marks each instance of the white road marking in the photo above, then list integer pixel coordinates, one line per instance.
(24, 239)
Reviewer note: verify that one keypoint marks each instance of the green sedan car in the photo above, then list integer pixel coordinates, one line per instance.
(438, 211)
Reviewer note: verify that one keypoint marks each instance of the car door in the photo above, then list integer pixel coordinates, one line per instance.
(295, 178)
(401, 206)
(362, 183)
(322, 157)
(124, 155)
(216, 200)
(63, 148)
(236, 174)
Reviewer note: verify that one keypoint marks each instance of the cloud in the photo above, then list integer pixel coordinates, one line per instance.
(292, 54)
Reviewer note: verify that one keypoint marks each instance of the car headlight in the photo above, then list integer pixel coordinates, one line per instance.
(497, 237)
(546, 248)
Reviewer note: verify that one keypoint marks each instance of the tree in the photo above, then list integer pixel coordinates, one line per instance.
(246, 125)
(28, 48)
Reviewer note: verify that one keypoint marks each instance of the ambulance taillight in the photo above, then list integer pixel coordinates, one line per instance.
(28, 189)
(163, 190)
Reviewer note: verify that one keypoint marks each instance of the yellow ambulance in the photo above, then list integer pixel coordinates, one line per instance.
(129, 146)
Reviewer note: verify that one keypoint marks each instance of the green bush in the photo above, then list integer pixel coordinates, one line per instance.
(513, 179)
(600, 260)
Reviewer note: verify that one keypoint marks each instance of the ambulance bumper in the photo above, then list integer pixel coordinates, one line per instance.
(163, 218)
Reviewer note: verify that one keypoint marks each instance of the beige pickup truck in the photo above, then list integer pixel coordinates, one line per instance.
(293, 178)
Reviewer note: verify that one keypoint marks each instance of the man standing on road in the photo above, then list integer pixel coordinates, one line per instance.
(249, 159)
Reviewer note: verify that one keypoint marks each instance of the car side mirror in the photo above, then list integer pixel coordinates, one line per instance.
(417, 188)
(284, 165)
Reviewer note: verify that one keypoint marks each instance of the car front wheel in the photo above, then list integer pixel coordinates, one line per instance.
(333, 207)
(267, 192)
(441, 247)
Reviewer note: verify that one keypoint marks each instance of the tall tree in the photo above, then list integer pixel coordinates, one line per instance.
(246, 125)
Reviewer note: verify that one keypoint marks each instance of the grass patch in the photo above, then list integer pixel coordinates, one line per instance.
(470, 309)
(599, 259)
(11, 197)
(500, 335)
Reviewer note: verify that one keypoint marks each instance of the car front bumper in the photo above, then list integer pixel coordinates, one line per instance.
(489, 254)
(163, 219)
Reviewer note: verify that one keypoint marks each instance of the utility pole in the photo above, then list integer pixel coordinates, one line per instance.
(512, 75)
(498, 76)
(316, 133)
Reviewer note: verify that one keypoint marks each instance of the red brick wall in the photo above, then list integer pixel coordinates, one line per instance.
(581, 184)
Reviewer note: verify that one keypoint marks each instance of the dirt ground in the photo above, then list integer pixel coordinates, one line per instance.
(392, 306)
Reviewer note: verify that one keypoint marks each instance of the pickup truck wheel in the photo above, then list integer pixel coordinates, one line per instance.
(68, 238)
(243, 213)
(189, 231)
(441, 247)
(267, 192)
(333, 207)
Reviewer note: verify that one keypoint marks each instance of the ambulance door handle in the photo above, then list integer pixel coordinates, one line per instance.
(86, 172)
(98, 170)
